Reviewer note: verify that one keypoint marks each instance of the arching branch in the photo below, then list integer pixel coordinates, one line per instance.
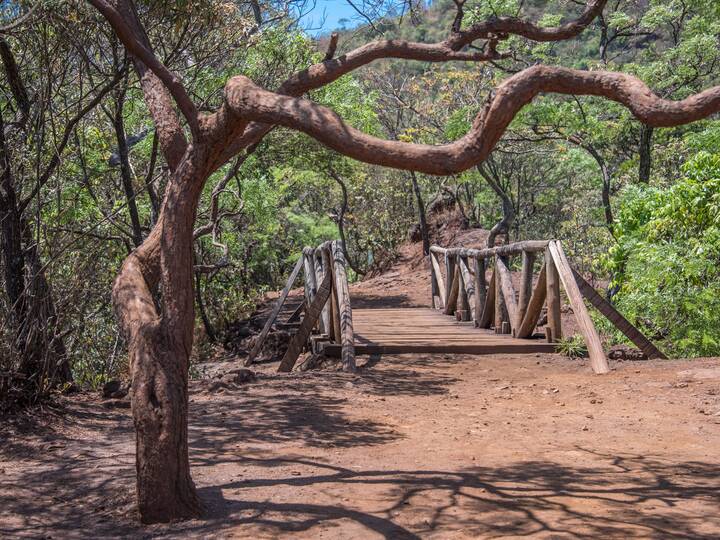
(250, 102)
(331, 69)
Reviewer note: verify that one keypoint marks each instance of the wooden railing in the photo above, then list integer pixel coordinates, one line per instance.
(326, 307)
(465, 293)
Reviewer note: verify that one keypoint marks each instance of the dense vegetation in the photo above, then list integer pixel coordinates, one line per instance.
(84, 176)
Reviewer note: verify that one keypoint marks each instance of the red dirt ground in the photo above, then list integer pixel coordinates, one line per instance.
(424, 446)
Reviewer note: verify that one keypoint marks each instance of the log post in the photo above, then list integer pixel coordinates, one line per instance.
(468, 289)
(508, 293)
(320, 270)
(480, 288)
(552, 281)
(501, 313)
(532, 314)
(488, 311)
(449, 276)
(439, 282)
(347, 337)
(309, 273)
(526, 278)
(452, 297)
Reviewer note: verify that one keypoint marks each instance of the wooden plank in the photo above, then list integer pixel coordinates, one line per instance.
(311, 316)
(452, 298)
(527, 347)
(587, 328)
(526, 286)
(344, 309)
(617, 319)
(435, 265)
(532, 313)
(508, 291)
(489, 307)
(552, 282)
(276, 310)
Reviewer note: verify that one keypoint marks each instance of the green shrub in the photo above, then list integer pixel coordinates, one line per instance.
(666, 263)
(572, 347)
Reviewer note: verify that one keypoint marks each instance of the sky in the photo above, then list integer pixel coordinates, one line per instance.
(333, 11)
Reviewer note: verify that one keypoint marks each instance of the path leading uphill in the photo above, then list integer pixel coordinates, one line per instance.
(414, 446)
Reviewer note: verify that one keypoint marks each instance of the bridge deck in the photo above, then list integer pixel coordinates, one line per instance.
(424, 330)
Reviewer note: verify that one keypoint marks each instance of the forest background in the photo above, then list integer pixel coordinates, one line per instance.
(637, 208)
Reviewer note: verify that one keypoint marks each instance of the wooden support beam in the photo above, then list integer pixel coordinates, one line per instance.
(616, 318)
(450, 277)
(467, 291)
(295, 316)
(309, 273)
(486, 318)
(480, 288)
(440, 282)
(532, 313)
(452, 298)
(322, 261)
(276, 310)
(508, 291)
(587, 328)
(526, 279)
(311, 317)
(347, 339)
(552, 281)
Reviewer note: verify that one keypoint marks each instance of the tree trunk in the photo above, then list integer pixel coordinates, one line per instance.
(646, 133)
(41, 352)
(341, 223)
(508, 209)
(159, 345)
(421, 214)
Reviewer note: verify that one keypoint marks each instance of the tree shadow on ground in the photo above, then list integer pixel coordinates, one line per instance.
(86, 489)
(616, 497)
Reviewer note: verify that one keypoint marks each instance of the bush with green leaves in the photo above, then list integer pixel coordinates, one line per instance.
(666, 263)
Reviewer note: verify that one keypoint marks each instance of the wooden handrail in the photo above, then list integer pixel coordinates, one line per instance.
(495, 303)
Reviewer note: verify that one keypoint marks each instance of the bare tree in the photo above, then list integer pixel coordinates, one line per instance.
(160, 337)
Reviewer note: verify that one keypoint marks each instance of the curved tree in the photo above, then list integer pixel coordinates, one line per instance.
(160, 337)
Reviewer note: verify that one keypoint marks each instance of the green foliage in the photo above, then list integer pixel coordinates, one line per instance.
(572, 347)
(666, 259)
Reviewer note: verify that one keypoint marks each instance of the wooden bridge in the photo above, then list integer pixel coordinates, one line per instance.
(470, 312)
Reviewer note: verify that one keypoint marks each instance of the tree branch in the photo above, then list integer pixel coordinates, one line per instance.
(124, 22)
(250, 102)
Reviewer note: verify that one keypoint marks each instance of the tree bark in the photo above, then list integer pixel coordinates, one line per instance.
(508, 210)
(42, 355)
(646, 133)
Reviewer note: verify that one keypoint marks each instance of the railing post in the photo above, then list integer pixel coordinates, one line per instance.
(501, 314)
(526, 279)
(552, 281)
(345, 323)
(449, 275)
(480, 288)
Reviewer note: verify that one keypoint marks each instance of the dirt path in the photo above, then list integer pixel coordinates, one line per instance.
(424, 446)
(456, 447)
